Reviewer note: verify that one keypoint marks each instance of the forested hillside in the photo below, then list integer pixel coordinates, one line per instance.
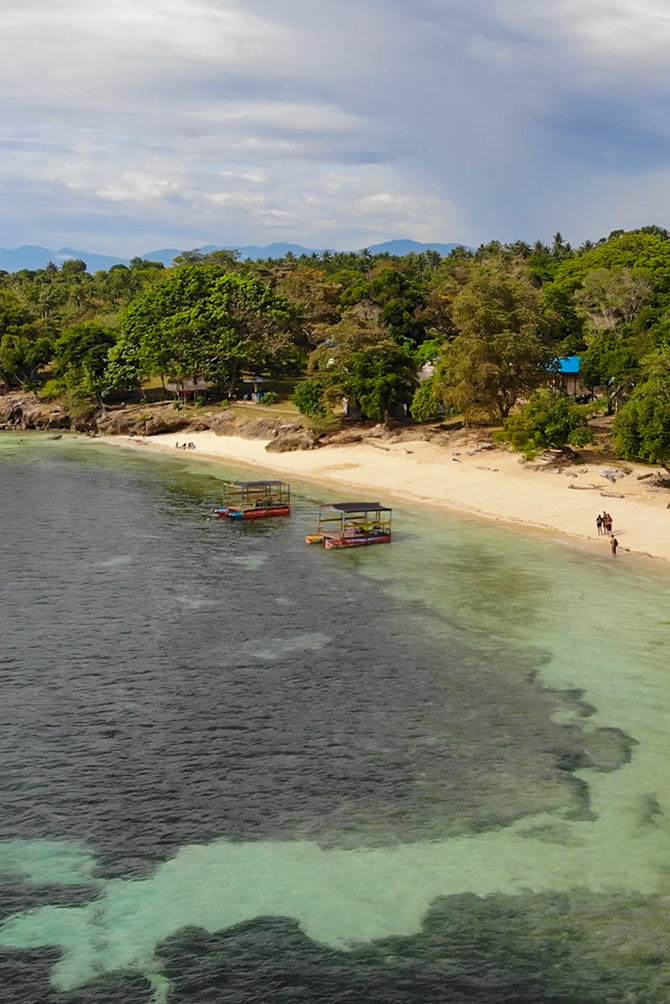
(351, 332)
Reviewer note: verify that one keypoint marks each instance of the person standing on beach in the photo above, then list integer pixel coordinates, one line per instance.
(607, 521)
(599, 524)
(614, 543)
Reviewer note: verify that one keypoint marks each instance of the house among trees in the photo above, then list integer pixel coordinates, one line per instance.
(567, 377)
(188, 390)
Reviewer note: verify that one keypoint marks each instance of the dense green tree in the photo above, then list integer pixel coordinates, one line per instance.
(615, 362)
(81, 358)
(637, 250)
(25, 343)
(194, 257)
(315, 296)
(360, 364)
(608, 297)
(548, 420)
(642, 425)
(228, 260)
(381, 379)
(204, 322)
(427, 405)
(309, 397)
(504, 348)
(22, 357)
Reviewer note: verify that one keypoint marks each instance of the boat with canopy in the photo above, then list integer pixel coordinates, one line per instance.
(352, 524)
(255, 500)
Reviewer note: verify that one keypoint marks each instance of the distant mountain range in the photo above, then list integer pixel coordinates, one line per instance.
(32, 256)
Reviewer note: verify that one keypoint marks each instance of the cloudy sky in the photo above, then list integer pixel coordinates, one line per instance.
(130, 125)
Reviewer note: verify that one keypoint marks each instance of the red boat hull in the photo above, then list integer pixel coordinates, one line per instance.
(357, 541)
(253, 513)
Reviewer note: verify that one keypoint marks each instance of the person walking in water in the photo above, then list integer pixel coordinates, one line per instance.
(614, 543)
(599, 524)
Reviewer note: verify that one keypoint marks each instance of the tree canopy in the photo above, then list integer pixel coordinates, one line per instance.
(358, 326)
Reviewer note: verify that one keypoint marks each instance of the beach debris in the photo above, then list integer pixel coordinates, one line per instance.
(612, 495)
(456, 460)
(655, 479)
(588, 488)
(611, 473)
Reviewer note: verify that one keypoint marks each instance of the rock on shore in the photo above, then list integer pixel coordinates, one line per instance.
(24, 410)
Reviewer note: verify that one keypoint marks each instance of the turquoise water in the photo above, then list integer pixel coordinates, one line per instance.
(236, 767)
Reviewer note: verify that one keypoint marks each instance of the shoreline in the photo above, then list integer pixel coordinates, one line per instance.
(464, 478)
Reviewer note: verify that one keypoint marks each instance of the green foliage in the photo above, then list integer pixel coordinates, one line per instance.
(360, 364)
(637, 250)
(270, 397)
(428, 351)
(609, 296)
(427, 405)
(124, 369)
(22, 357)
(380, 379)
(494, 318)
(25, 342)
(53, 389)
(321, 425)
(548, 420)
(642, 425)
(501, 352)
(316, 298)
(204, 322)
(613, 360)
(81, 358)
(308, 397)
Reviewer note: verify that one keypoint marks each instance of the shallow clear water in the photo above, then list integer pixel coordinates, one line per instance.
(237, 768)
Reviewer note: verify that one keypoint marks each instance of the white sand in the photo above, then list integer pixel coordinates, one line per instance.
(495, 484)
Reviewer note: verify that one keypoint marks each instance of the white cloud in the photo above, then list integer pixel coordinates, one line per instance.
(610, 42)
(239, 122)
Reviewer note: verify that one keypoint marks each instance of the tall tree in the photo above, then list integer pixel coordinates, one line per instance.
(504, 348)
(359, 363)
(81, 357)
(204, 322)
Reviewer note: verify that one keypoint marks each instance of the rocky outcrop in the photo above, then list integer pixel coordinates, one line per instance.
(139, 421)
(26, 411)
(21, 411)
(289, 443)
(256, 426)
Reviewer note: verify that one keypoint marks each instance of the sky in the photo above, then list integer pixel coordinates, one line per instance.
(132, 125)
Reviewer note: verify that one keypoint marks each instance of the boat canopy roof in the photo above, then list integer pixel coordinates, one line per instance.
(357, 507)
(256, 484)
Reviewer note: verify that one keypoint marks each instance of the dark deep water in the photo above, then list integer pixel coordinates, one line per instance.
(339, 735)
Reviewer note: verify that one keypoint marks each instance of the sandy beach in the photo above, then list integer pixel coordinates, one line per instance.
(491, 483)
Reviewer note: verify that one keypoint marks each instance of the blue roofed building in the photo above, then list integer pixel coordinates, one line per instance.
(568, 375)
